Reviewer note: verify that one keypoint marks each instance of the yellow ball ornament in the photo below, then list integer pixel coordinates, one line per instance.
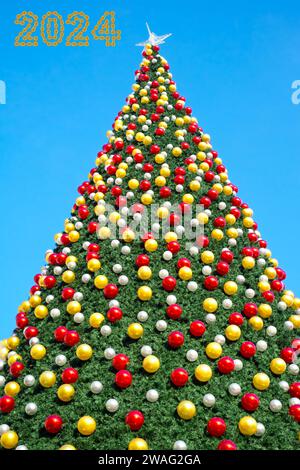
(144, 273)
(96, 320)
(210, 305)
(248, 262)
(13, 342)
(230, 288)
(144, 293)
(73, 307)
(151, 364)
(261, 381)
(93, 265)
(135, 330)
(186, 410)
(66, 392)
(84, 352)
(207, 257)
(257, 323)
(68, 277)
(151, 245)
(9, 440)
(41, 312)
(185, 273)
(38, 352)
(278, 366)
(67, 447)
(213, 350)
(203, 373)
(138, 444)
(247, 426)
(86, 425)
(12, 389)
(47, 379)
(233, 332)
(100, 281)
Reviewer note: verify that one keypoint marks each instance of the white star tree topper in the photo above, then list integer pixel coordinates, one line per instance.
(154, 39)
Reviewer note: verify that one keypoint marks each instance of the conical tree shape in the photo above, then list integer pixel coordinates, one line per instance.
(155, 341)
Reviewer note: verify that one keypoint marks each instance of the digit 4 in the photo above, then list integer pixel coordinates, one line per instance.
(105, 29)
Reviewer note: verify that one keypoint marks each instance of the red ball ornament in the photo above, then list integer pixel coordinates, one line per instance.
(197, 328)
(49, 281)
(216, 427)
(16, 369)
(227, 444)
(183, 262)
(174, 311)
(173, 246)
(114, 314)
(123, 379)
(53, 424)
(142, 260)
(250, 402)
(7, 404)
(135, 420)
(294, 390)
(21, 320)
(236, 318)
(227, 256)
(71, 338)
(165, 192)
(268, 296)
(247, 349)
(175, 339)
(31, 332)
(287, 354)
(169, 283)
(179, 377)
(226, 365)
(211, 283)
(294, 411)
(67, 293)
(250, 310)
(120, 361)
(69, 375)
(60, 333)
(222, 268)
(110, 291)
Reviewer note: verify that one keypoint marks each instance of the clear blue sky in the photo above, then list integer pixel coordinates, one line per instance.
(235, 63)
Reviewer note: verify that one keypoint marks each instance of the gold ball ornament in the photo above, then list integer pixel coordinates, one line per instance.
(151, 364)
(230, 288)
(144, 293)
(86, 425)
(138, 444)
(73, 307)
(278, 366)
(210, 305)
(144, 273)
(233, 332)
(13, 342)
(100, 281)
(261, 381)
(135, 330)
(203, 373)
(151, 245)
(96, 320)
(66, 392)
(41, 312)
(67, 447)
(186, 410)
(47, 379)
(248, 262)
(12, 389)
(213, 350)
(9, 440)
(185, 273)
(84, 352)
(247, 426)
(38, 352)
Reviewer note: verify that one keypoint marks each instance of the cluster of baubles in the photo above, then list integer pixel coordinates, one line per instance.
(156, 153)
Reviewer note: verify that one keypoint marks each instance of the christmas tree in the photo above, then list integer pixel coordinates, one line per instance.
(160, 320)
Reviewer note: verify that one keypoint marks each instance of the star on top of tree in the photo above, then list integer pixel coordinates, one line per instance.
(153, 38)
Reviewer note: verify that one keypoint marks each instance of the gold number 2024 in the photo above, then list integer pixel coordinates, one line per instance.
(53, 29)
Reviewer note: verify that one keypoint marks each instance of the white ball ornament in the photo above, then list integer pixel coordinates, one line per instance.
(240, 279)
(220, 339)
(288, 325)
(192, 355)
(29, 380)
(123, 280)
(4, 428)
(282, 306)
(49, 298)
(209, 400)
(105, 330)
(125, 250)
(260, 430)
(146, 351)
(57, 270)
(112, 405)
(31, 409)
(78, 296)
(78, 317)
(234, 389)
(250, 293)
(193, 251)
(60, 360)
(261, 262)
(238, 365)
(115, 243)
(142, 316)
(109, 353)
(152, 395)
(179, 445)
(114, 303)
(2, 380)
(86, 278)
(210, 318)
(21, 447)
(171, 299)
(271, 330)
(275, 406)
(96, 387)
(2, 363)
(261, 345)
(167, 255)
(163, 273)
(54, 313)
(293, 369)
(232, 242)
(222, 206)
(117, 268)
(294, 401)
(284, 385)
(227, 304)
(206, 270)
(161, 325)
